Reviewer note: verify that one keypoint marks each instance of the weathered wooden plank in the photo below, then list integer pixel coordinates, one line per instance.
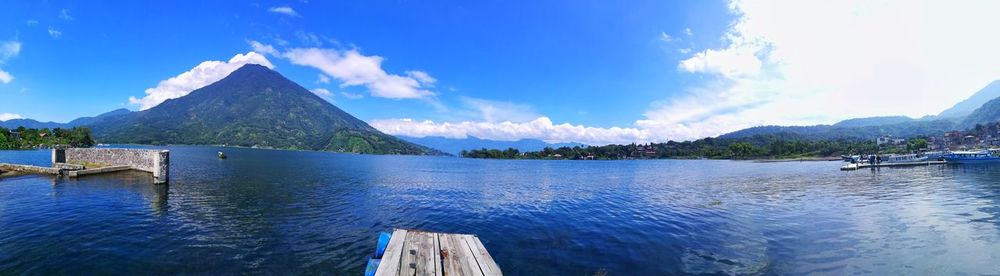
(456, 256)
(438, 271)
(486, 263)
(389, 266)
(419, 254)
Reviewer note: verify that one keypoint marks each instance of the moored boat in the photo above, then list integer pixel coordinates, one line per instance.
(904, 158)
(972, 157)
(851, 158)
(936, 155)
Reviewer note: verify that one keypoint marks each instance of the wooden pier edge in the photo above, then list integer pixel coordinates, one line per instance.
(415, 252)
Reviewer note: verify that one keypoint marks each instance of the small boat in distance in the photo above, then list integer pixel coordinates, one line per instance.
(972, 157)
(222, 155)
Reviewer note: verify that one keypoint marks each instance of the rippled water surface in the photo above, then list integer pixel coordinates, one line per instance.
(319, 213)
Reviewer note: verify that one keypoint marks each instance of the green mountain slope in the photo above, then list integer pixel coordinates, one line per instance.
(988, 113)
(834, 132)
(978, 99)
(253, 106)
(873, 121)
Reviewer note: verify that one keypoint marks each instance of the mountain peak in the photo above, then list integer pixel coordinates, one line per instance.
(253, 67)
(252, 106)
(251, 70)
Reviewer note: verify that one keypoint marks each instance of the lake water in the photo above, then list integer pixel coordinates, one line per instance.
(269, 211)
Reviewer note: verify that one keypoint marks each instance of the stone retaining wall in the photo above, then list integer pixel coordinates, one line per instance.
(154, 161)
(29, 169)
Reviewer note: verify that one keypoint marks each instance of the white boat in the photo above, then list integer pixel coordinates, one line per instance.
(851, 158)
(972, 157)
(904, 158)
(936, 155)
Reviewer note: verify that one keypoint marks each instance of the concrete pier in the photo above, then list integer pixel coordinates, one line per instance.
(102, 160)
(78, 173)
(28, 169)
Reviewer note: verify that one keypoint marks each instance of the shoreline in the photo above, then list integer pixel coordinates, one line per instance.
(756, 160)
(800, 159)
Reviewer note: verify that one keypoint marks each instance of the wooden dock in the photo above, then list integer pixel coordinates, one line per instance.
(858, 166)
(412, 252)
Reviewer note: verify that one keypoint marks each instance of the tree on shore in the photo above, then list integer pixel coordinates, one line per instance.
(29, 138)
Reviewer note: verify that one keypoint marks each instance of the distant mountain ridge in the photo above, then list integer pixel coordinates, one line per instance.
(31, 123)
(981, 108)
(252, 107)
(455, 146)
(977, 100)
(833, 132)
(873, 121)
(90, 120)
(988, 113)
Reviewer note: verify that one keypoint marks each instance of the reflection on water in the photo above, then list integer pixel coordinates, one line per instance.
(319, 213)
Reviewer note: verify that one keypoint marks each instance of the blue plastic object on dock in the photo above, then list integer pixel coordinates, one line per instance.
(371, 267)
(383, 241)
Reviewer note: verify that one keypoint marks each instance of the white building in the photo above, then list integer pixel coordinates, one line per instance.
(889, 140)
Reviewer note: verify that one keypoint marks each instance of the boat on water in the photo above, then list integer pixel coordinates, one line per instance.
(973, 157)
(936, 155)
(852, 158)
(904, 158)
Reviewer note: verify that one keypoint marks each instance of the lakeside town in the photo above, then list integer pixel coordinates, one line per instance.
(768, 147)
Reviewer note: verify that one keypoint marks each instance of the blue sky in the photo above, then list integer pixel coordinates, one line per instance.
(586, 71)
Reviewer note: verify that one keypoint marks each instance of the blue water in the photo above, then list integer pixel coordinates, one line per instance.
(270, 212)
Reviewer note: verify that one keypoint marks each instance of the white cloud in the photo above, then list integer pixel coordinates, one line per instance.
(688, 32)
(323, 79)
(322, 92)
(497, 111)
(64, 15)
(10, 116)
(422, 77)
(31, 22)
(286, 10)
(353, 68)
(731, 62)
(540, 128)
(262, 48)
(833, 60)
(5, 77)
(204, 74)
(8, 50)
(309, 38)
(665, 37)
(507, 121)
(352, 95)
(54, 33)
